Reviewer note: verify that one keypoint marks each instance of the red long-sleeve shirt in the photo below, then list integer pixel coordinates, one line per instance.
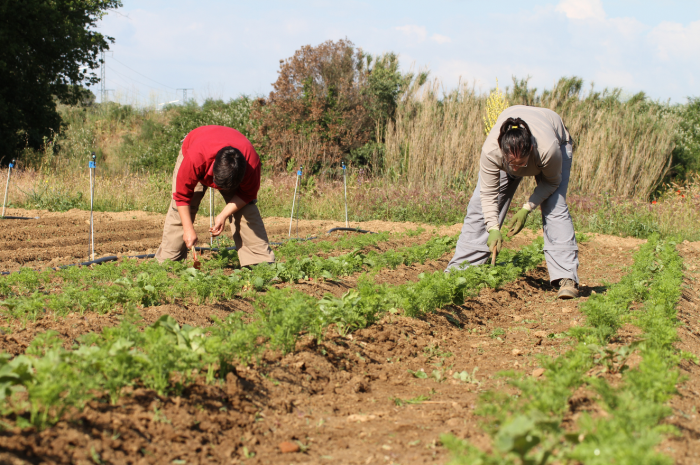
(199, 150)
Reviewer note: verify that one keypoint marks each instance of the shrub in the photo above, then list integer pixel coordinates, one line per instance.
(328, 102)
(157, 146)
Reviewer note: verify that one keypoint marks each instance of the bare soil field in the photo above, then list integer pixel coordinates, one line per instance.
(64, 238)
(347, 399)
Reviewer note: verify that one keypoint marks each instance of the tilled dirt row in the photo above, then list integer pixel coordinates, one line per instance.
(18, 334)
(64, 238)
(350, 400)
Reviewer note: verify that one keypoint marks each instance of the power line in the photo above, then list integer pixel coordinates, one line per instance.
(132, 69)
(139, 82)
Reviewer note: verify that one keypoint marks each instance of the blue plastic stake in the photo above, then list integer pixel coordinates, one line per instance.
(9, 171)
(92, 167)
(291, 219)
(211, 216)
(345, 183)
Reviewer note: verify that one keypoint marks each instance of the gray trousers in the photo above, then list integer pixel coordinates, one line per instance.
(560, 249)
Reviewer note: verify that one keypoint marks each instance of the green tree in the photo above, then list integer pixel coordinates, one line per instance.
(48, 50)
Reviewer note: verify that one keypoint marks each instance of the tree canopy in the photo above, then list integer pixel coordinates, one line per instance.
(48, 51)
(329, 104)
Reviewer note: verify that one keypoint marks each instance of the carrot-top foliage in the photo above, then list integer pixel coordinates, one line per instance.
(40, 386)
(528, 428)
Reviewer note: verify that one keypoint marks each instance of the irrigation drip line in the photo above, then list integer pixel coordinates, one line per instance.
(113, 258)
(363, 231)
(18, 218)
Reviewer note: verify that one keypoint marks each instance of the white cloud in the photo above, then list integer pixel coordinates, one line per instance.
(440, 39)
(582, 9)
(674, 41)
(414, 31)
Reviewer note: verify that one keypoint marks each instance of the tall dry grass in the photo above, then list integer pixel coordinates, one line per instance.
(434, 140)
(623, 148)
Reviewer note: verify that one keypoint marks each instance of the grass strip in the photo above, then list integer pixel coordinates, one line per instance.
(38, 387)
(130, 284)
(536, 426)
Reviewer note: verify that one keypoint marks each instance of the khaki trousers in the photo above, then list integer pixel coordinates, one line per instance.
(247, 229)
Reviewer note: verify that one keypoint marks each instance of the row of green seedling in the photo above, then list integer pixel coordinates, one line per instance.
(149, 284)
(29, 281)
(535, 426)
(38, 387)
(296, 248)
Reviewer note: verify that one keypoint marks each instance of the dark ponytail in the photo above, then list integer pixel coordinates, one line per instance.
(515, 138)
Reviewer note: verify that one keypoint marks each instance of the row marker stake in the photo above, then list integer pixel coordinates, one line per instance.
(7, 186)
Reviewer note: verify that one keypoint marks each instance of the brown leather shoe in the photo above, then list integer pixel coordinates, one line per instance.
(568, 289)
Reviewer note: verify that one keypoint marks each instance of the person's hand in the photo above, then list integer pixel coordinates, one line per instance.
(495, 240)
(218, 227)
(517, 223)
(190, 238)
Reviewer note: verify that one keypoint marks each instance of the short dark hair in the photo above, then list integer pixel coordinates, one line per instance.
(229, 168)
(515, 138)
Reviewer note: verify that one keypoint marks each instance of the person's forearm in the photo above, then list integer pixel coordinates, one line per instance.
(541, 193)
(185, 217)
(232, 207)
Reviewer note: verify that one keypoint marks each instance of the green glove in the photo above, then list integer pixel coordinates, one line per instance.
(495, 240)
(518, 222)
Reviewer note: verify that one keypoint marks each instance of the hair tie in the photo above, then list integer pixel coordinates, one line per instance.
(514, 127)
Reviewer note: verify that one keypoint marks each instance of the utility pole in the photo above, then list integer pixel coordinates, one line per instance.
(103, 79)
(103, 91)
(184, 95)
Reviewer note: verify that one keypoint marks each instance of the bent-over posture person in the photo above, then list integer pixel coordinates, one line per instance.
(224, 159)
(525, 141)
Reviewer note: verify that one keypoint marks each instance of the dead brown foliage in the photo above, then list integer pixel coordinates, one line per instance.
(318, 109)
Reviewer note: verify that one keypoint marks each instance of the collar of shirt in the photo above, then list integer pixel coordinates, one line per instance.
(209, 178)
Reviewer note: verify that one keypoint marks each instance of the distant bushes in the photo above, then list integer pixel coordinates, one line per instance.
(157, 146)
(334, 103)
(330, 103)
(621, 147)
(686, 156)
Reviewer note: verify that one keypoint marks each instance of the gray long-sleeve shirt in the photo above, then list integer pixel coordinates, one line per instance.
(549, 133)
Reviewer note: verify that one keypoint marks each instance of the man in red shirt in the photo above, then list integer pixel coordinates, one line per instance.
(220, 158)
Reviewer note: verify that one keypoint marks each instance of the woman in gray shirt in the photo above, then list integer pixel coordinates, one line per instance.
(525, 141)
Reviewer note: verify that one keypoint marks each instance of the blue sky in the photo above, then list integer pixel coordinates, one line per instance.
(222, 49)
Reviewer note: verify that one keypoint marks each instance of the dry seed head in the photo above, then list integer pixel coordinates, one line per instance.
(495, 104)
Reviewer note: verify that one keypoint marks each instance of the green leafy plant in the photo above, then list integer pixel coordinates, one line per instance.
(528, 428)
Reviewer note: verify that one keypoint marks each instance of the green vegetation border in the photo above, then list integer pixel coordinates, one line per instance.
(535, 426)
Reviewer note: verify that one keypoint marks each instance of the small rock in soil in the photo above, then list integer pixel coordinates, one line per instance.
(537, 372)
(288, 447)
(517, 352)
(541, 334)
(360, 417)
